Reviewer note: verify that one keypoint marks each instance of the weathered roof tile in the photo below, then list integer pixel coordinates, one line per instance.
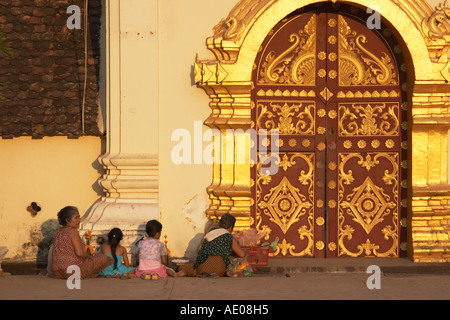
(45, 79)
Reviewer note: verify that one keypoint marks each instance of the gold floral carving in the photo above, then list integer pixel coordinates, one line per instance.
(285, 163)
(357, 65)
(432, 25)
(332, 74)
(361, 120)
(279, 143)
(292, 142)
(332, 40)
(292, 119)
(332, 184)
(322, 55)
(332, 204)
(320, 245)
(332, 56)
(332, 166)
(285, 247)
(284, 204)
(332, 114)
(332, 23)
(321, 146)
(296, 65)
(368, 204)
(375, 143)
(331, 246)
(390, 143)
(306, 143)
(322, 73)
(321, 130)
(321, 112)
(319, 203)
(320, 221)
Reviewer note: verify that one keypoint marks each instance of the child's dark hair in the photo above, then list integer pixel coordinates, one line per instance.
(65, 214)
(153, 227)
(114, 237)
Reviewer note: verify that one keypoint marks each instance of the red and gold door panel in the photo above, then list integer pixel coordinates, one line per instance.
(331, 95)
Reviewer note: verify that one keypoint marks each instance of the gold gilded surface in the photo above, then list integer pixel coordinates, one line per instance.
(368, 94)
(358, 119)
(296, 65)
(292, 143)
(320, 245)
(227, 81)
(368, 204)
(306, 143)
(332, 114)
(320, 221)
(321, 146)
(332, 246)
(326, 94)
(286, 93)
(361, 144)
(292, 118)
(284, 204)
(332, 166)
(322, 55)
(332, 56)
(357, 65)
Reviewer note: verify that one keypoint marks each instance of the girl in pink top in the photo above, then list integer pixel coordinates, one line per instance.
(152, 253)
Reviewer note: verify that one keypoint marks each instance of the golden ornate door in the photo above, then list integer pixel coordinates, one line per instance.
(334, 92)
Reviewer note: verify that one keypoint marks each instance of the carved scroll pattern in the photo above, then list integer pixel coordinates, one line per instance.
(296, 65)
(357, 65)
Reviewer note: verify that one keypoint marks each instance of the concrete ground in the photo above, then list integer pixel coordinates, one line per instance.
(305, 279)
(305, 286)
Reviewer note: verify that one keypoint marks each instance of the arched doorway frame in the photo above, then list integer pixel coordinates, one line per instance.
(227, 81)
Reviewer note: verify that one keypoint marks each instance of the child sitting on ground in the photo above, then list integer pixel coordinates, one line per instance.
(152, 253)
(114, 250)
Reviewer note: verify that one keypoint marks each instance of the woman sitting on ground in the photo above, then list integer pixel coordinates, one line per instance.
(69, 250)
(217, 246)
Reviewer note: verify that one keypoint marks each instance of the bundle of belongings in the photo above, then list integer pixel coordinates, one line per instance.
(248, 239)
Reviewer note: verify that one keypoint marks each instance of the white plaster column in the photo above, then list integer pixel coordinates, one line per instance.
(130, 182)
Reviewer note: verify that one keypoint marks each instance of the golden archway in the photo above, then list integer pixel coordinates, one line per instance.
(424, 34)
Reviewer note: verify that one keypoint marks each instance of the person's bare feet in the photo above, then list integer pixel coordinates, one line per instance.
(181, 273)
(234, 274)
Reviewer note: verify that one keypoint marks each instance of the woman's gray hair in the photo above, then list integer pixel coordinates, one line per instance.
(227, 221)
(65, 214)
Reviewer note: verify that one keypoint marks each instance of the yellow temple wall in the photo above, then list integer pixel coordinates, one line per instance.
(53, 172)
(182, 187)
